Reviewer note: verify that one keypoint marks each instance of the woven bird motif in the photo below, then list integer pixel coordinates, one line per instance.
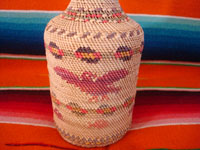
(93, 85)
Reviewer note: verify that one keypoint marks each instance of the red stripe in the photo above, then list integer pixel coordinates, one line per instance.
(166, 97)
(149, 105)
(153, 110)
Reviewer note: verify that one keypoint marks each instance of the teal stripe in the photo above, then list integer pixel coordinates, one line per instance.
(166, 38)
(179, 27)
(24, 20)
(168, 23)
(141, 18)
(145, 21)
(146, 18)
(10, 14)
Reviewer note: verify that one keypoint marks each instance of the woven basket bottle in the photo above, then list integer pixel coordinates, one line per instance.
(93, 52)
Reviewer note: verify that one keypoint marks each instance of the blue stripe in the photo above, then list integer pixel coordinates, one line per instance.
(145, 21)
(165, 38)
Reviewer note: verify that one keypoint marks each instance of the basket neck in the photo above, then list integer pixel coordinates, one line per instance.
(101, 11)
(94, 4)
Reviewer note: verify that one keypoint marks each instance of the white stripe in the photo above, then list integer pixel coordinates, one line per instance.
(170, 121)
(52, 11)
(25, 123)
(164, 124)
(22, 56)
(137, 127)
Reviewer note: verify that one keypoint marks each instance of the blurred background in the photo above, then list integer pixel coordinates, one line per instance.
(167, 109)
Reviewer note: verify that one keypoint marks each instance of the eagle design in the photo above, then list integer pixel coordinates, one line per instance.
(91, 84)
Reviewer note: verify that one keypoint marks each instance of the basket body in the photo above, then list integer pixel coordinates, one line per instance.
(93, 52)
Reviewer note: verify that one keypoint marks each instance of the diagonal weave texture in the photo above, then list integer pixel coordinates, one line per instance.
(93, 52)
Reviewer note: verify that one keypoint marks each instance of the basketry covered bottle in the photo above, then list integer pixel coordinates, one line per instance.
(93, 52)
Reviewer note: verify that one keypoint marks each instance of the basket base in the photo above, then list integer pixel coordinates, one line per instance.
(89, 143)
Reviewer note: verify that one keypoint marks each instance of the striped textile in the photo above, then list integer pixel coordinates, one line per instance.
(167, 110)
(166, 33)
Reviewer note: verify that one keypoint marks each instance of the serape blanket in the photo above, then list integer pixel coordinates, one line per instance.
(167, 110)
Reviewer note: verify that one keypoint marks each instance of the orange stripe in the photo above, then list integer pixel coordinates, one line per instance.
(33, 73)
(20, 72)
(169, 76)
(34, 4)
(172, 137)
(162, 7)
(187, 8)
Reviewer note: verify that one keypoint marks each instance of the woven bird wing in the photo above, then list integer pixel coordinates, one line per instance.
(67, 75)
(112, 76)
